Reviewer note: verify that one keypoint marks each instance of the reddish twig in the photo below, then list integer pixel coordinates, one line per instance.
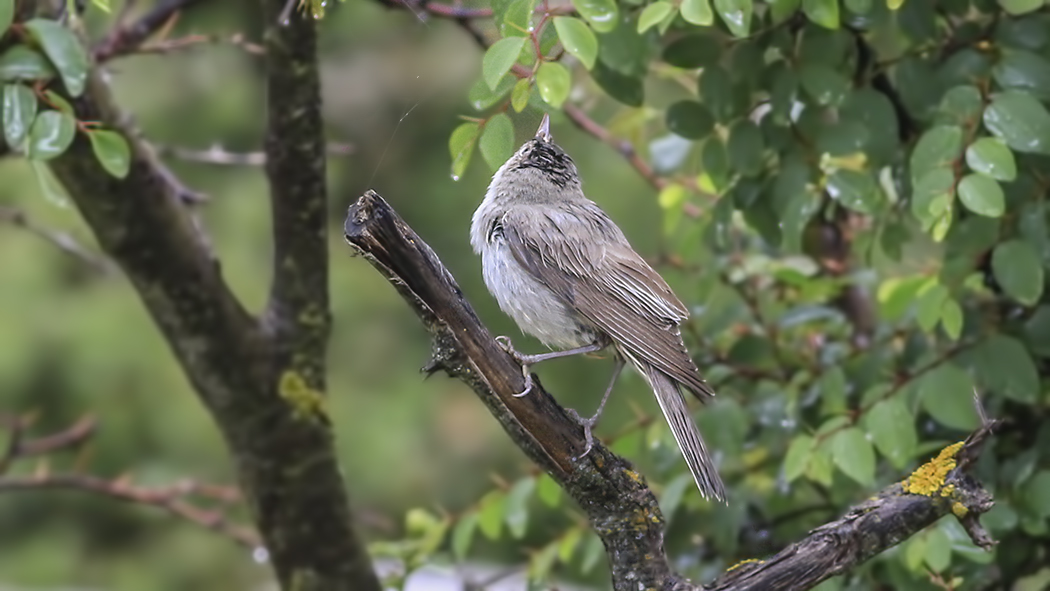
(128, 37)
(172, 499)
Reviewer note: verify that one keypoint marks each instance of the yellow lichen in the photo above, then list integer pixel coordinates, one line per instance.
(959, 509)
(928, 479)
(306, 403)
(947, 490)
(745, 561)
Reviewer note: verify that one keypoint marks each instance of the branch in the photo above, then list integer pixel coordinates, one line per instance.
(127, 37)
(617, 502)
(61, 240)
(222, 157)
(172, 499)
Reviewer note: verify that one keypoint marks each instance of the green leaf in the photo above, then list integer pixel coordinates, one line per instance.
(947, 395)
(19, 111)
(554, 83)
(990, 156)
(490, 514)
(497, 140)
(929, 305)
(693, 51)
(500, 58)
(690, 120)
(112, 152)
(716, 92)
(461, 146)
(482, 97)
(1020, 120)
(937, 148)
(569, 542)
(626, 89)
(853, 454)
(23, 63)
(698, 12)
(797, 457)
(745, 147)
(932, 195)
(1003, 365)
(952, 318)
(520, 97)
(897, 294)
(938, 554)
(592, 553)
(1036, 494)
(59, 103)
(982, 195)
(64, 50)
(736, 14)
(48, 184)
(783, 9)
(892, 429)
(516, 20)
(832, 388)
(7, 15)
(823, 12)
(1018, 270)
(578, 39)
(1018, 7)
(653, 14)
(855, 190)
(463, 534)
(826, 85)
(1025, 71)
(603, 15)
(961, 105)
(820, 466)
(51, 134)
(671, 496)
(516, 507)
(548, 491)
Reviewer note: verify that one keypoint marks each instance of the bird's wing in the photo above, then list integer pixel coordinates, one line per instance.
(596, 270)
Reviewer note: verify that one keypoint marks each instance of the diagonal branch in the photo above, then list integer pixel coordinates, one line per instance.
(615, 498)
(127, 37)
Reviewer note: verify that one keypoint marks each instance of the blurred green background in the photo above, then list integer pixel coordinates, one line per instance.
(74, 339)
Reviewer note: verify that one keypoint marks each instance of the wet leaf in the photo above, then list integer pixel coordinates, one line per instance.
(991, 157)
(19, 111)
(892, 429)
(497, 140)
(500, 58)
(653, 14)
(853, 454)
(51, 134)
(112, 152)
(603, 15)
(461, 146)
(23, 63)
(982, 195)
(64, 50)
(578, 39)
(736, 14)
(554, 82)
(1020, 120)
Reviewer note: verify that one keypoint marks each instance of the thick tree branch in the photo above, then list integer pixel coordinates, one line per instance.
(271, 417)
(618, 504)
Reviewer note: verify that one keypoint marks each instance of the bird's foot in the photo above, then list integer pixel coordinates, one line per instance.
(588, 425)
(505, 344)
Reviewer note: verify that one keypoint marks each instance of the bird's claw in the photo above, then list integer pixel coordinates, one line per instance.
(587, 425)
(505, 344)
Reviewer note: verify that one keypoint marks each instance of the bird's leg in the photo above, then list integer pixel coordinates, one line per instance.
(588, 424)
(527, 361)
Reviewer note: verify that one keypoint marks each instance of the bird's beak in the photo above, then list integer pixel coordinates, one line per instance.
(544, 132)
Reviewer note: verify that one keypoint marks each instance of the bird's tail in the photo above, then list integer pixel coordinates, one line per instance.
(685, 431)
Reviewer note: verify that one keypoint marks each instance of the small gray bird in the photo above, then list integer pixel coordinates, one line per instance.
(566, 274)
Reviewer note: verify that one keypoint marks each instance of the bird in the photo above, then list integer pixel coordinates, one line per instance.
(559, 266)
